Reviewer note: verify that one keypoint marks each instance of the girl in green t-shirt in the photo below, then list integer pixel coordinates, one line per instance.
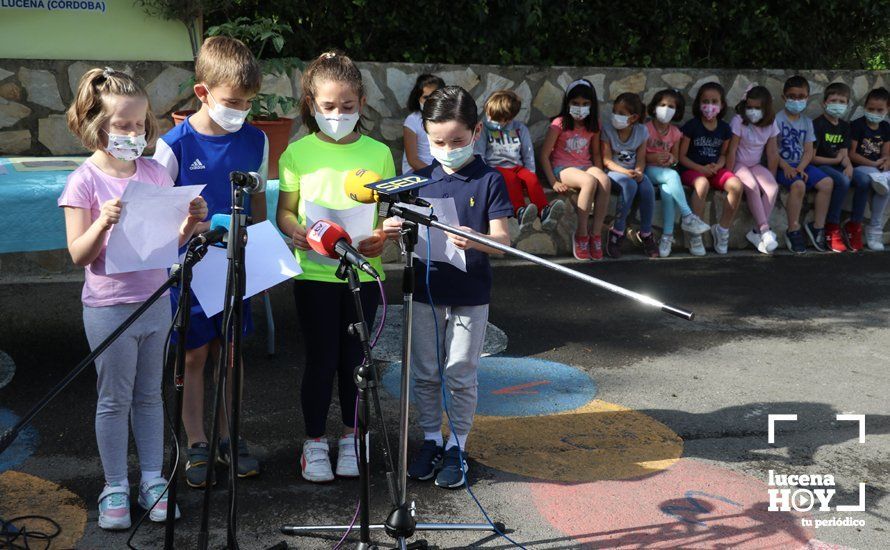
(314, 169)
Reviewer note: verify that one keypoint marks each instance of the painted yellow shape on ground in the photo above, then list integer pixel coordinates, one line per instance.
(595, 442)
(24, 495)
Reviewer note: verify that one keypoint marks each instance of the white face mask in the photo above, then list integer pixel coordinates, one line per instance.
(620, 122)
(124, 147)
(754, 115)
(579, 112)
(665, 114)
(230, 120)
(336, 127)
(454, 158)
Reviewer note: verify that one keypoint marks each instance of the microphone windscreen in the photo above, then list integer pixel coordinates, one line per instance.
(323, 236)
(220, 220)
(355, 182)
(261, 184)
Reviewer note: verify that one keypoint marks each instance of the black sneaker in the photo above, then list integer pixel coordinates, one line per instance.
(454, 468)
(426, 462)
(613, 246)
(196, 466)
(551, 214)
(817, 237)
(248, 465)
(795, 241)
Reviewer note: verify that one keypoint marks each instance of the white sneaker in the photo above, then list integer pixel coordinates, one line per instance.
(693, 224)
(874, 239)
(315, 462)
(880, 182)
(665, 245)
(114, 507)
(151, 492)
(760, 241)
(721, 239)
(770, 241)
(347, 461)
(695, 244)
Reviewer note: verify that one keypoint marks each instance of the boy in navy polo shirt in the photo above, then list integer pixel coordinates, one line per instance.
(204, 149)
(460, 298)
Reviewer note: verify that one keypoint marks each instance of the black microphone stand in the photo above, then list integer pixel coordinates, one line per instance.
(367, 380)
(230, 358)
(181, 327)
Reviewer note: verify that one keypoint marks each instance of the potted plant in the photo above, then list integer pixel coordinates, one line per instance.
(267, 108)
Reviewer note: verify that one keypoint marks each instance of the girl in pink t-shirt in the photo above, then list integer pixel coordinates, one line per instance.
(572, 160)
(662, 152)
(111, 116)
(754, 130)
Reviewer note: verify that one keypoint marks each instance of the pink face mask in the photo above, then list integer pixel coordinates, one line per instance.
(710, 110)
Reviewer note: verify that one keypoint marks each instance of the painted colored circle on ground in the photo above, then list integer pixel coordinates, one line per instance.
(26, 495)
(389, 347)
(7, 369)
(597, 441)
(22, 447)
(520, 386)
(690, 505)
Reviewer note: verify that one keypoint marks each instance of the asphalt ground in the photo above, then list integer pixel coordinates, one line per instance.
(675, 450)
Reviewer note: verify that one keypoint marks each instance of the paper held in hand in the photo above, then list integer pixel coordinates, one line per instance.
(147, 235)
(268, 262)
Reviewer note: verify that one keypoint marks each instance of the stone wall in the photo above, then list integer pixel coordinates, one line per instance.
(34, 93)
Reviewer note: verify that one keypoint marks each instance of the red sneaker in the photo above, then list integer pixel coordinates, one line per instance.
(581, 248)
(834, 238)
(852, 234)
(596, 247)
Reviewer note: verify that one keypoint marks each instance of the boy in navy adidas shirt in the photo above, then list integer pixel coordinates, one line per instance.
(203, 150)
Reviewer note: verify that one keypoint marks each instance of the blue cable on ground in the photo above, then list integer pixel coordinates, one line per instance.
(463, 470)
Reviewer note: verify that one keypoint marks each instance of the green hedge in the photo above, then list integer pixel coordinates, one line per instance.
(792, 34)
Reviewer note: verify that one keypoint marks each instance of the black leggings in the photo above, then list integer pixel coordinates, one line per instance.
(325, 311)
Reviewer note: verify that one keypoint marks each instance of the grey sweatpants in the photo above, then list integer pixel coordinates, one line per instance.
(129, 385)
(461, 335)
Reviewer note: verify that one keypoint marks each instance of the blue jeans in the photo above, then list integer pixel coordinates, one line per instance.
(628, 189)
(671, 193)
(838, 193)
(841, 184)
(861, 177)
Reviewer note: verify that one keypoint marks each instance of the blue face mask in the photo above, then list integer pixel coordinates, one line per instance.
(795, 106)
(492, 125)
(874, 118)
(836, 109)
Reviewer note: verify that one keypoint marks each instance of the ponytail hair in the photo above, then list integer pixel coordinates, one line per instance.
(89, 111)
(333, 66)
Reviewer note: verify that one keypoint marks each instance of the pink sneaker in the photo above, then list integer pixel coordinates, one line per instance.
(596, 247)
(581, 248)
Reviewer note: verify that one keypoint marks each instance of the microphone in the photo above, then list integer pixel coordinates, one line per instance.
(219, 229)
(252, 182)
(367, 187)
(330, 240)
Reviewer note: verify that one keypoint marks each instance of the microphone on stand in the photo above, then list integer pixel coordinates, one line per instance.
(367, 187)
(330, 240)
(252, 182)
(218, 232)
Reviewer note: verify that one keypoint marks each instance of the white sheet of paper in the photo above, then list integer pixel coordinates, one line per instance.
(268, 262)
(358, 222)
(441, 248)
(147, 235)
